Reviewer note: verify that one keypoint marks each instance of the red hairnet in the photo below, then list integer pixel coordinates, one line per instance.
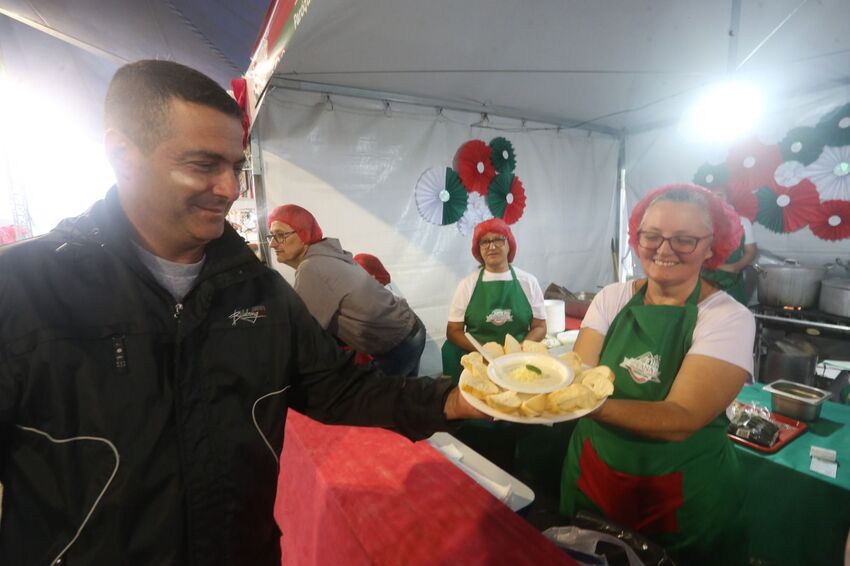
(373, 267)
(726, 224)
(497, 226)
(300, 219)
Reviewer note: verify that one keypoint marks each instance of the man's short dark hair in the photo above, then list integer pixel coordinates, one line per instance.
(139, 95)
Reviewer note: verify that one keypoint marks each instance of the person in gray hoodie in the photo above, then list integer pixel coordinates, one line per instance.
(343, 298)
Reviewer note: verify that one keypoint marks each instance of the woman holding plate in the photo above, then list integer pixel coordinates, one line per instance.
(655, 457)
(494, 300)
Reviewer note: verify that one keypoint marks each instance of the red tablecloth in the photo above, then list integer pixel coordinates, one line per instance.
(356, 496)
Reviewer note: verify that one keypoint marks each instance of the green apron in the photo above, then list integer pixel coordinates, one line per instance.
(688, 495)
(498, 308)
(732, 283)
(495, 309)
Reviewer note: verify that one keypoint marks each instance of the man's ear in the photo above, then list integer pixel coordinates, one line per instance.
(123, 154)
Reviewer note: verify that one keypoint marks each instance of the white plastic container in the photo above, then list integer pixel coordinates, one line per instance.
(556, 316)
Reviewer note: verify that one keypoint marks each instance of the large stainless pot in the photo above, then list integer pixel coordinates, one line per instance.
(789, 284)
(835, 297)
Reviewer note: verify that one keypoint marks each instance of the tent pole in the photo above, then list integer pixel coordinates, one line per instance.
(619, 198)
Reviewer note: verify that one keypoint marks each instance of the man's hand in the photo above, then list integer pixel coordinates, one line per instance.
(458, 408)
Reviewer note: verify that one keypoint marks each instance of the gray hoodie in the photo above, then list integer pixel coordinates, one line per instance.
(348, 302)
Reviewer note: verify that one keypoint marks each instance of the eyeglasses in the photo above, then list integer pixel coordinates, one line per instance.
(498, 242)
(280, 237)
(679, 244)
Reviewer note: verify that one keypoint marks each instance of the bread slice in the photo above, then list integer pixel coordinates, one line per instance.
(469, 359)
(511, 345)
(572, 360)
(534, 406)
(506, 401)
(597, 373)
(600, 380)
(535, 347)
(573, 397)
(494, 349)
(478, 387)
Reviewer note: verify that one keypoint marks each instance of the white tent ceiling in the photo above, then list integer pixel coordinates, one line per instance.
(607, 64)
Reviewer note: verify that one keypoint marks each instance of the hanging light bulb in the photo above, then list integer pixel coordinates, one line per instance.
(725, 112)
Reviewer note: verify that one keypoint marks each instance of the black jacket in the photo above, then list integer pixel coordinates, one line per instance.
(164, 422)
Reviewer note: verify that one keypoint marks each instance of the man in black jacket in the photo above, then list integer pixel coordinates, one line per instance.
(147, 359)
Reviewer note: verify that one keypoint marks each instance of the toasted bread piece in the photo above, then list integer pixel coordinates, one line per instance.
(511, 345)
(467, 360)
(600, 386)
(534, 406)
(506, 401)
(478, 387)
(598, 372)
(572, 360)
(494, 349)
(474, 364)
(573, 397)
(532, 346)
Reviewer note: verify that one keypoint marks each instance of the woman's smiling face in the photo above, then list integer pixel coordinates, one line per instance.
(667, 219)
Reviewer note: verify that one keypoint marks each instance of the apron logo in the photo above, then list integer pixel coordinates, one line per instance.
(498, 317)
(249, 315)
(643, 368)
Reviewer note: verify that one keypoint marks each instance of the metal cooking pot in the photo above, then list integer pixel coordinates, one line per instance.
(835, 297)
(789, 284)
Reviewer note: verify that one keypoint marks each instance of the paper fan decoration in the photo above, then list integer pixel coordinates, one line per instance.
(506, 197)
(502, 155)
(832, 220)
(745, 204)
(440, 196)
(835, 127)
(789, 173)
(751, 166)
(784, 209)
(802, 144)
(476, 212)
(831, 173)
(712, 176)
(472, 163)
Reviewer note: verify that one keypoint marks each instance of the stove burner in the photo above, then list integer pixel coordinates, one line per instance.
(801, 316)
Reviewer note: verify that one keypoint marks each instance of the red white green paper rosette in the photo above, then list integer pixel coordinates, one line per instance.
(472, 162)
(502, 155)
(831, 173)
(751, 166)
(802, 144)
(832, 220)
(835, 127)
(477, 212)
(787, 209)
(712, 176)
(440, 196)
(790, 173)
(506, 197)
(745, 203)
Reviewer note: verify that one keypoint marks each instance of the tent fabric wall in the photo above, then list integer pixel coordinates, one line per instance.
(354, 164)
(665, 156)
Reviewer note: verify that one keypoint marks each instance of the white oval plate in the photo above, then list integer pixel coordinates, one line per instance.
(545, 418)
(555, 373)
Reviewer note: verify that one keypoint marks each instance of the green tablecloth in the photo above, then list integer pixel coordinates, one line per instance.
(798, 517)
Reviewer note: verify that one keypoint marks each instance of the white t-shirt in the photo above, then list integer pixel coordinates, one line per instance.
(748, 231)
(725, 328)
(527, 281)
